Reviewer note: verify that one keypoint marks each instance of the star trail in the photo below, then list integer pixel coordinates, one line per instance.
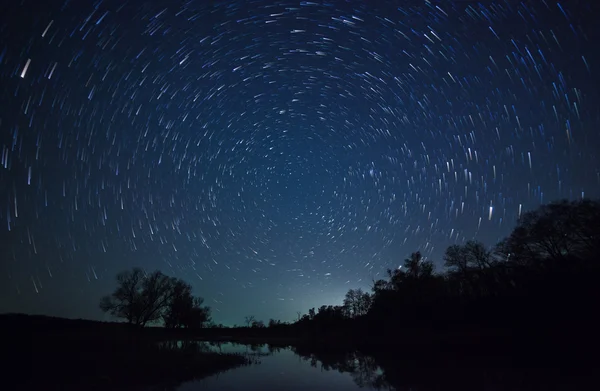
(276, 154)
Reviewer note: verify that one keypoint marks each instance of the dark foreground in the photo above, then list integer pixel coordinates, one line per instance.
(64, 354)
(49, 353)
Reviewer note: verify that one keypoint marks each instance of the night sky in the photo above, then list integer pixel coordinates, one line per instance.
(277, 154)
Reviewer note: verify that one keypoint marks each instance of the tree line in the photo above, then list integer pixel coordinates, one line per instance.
(543, 275)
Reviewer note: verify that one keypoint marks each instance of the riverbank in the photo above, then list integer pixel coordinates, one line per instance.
(102, 356)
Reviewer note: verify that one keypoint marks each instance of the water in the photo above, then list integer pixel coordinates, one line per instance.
(278, 370)
(304, 369)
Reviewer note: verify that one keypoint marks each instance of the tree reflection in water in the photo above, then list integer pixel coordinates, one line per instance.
(387, 372)
(365, 370)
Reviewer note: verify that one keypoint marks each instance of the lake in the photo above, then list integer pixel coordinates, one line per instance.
(296, 369)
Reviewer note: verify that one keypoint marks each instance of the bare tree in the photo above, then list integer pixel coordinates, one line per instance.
(463, 259)
(157, 294)
(126, 301)
(139, 298)
(469, 265)
(556, 231)
(249, 320)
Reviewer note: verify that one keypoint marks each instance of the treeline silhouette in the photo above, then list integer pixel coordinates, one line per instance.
(540, 282)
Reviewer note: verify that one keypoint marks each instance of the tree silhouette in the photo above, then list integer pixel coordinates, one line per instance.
(541, 279)
(157, 291)
(555, 232)
(249, 320)
(185, 310)
(472, 256)
(145, 298)
(329, 314)
(535, 279)
(416, 267)
(413, 265)
(468, 265)
(258, 324)
(126, 301)
(139, 298)
(356, 303)
(274, 323)
(380, 285)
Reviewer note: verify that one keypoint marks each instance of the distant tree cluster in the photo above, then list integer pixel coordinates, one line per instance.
(142, 298)
(275, 323)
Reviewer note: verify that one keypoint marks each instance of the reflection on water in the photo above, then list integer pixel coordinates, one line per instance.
(303, 368)
(279, 369)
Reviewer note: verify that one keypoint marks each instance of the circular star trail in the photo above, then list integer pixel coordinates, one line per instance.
(276, 154)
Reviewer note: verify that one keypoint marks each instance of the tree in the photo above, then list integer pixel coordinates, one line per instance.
(139, 298)
(249, 320)
(199, 315)
(157, 292)
(126, 301)
(555, 232)
(380, 285)
(356, 303)
(258, 324)
(469, 265)
(180, 305)
(330, 313)
(416, 267)
(412, 264)
(274, 323)
(185, 310)
(350, 303)
(145, 298)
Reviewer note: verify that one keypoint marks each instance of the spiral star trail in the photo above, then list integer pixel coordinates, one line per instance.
(276, 154)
